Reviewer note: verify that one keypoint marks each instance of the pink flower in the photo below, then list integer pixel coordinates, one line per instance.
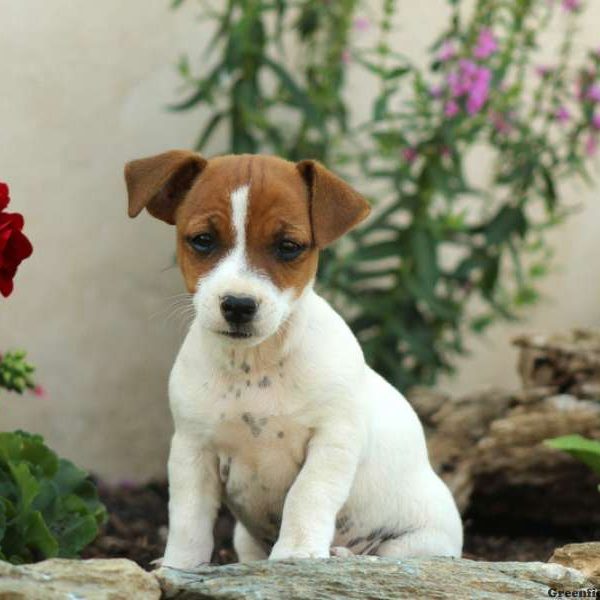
(39, 391)
(409, 154)
(571, 5)
(562, 115)
(479, 91)
(593, 93)
(447, 51)
(471, 81)
(596, 121)
(486, 44)
(451, 109)
(436, 91)
(346, 56)
(544, 70)
(455, 83)
(460, 82)
(468, 67)
(361, 24)
(500, 122)
(591, 145)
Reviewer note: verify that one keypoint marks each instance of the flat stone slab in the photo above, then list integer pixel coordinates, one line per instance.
(372, 578)
(61, 579)
(363, 577)
(583, 557)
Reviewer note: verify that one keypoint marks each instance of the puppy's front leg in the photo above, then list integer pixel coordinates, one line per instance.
(194, 498)
(317, 494)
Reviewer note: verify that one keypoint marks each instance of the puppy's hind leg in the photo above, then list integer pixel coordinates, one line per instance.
(246, 547)
(422, 542)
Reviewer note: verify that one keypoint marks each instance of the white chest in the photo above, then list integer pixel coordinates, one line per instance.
(254, 418)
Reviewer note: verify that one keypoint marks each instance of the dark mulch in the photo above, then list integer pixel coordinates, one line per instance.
(504, 540)
(137, 528)
(137, 525)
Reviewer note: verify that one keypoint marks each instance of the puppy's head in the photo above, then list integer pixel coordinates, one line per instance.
(249, 230)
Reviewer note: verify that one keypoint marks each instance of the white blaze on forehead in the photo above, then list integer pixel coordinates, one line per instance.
(233, 275)
(239, 212)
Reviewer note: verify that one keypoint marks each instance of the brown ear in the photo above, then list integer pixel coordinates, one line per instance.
(159, 183)
(335, 207)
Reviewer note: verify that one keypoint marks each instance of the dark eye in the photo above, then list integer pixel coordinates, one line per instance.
(203, 243)
(288, 249)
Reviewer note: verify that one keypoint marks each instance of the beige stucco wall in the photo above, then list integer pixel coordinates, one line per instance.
(84, 86)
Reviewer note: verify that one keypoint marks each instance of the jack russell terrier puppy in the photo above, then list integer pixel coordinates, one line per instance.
(276, 413)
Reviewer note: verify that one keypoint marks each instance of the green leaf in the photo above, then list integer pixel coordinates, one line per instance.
(550, 196)
(299, 98)
(79, 532)
(490, 274)
(48, 506)
(210, 128)
(509, 220)
(203, 92)
(396, 73)
(27, 485)
(377, 251)
(584, 449)
(482, 322)
(424, 252)
(380, 107)
(3, 519)
(37, 535)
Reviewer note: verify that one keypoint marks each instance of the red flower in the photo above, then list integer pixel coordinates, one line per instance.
(3, 196)
(14, 246)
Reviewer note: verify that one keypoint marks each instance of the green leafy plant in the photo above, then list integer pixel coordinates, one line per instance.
(264, 103)
(443, 253)
(581, 448)
(48, 507)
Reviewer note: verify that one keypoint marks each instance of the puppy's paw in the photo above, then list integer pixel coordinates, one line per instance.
(182, 562)
(186, 558)
(283, 552)
(340, 552)
(188, 568)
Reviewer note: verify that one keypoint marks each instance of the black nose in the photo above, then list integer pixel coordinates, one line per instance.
(238, 310)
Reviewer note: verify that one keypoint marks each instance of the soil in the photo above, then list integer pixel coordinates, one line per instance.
(137, 529)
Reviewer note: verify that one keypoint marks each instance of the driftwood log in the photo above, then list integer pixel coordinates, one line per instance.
(489, 448)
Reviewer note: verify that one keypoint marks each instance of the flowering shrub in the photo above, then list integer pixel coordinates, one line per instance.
(48, 507)
(441, 253)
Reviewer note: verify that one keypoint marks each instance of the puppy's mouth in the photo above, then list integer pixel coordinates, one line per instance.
(236, 335)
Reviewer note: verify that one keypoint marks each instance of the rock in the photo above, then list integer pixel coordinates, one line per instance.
(371, 577)
(565, 363)
(454, 429)
(583, 557)
(575, 567)
(61, 579)
(489, 446)
(513, 471)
